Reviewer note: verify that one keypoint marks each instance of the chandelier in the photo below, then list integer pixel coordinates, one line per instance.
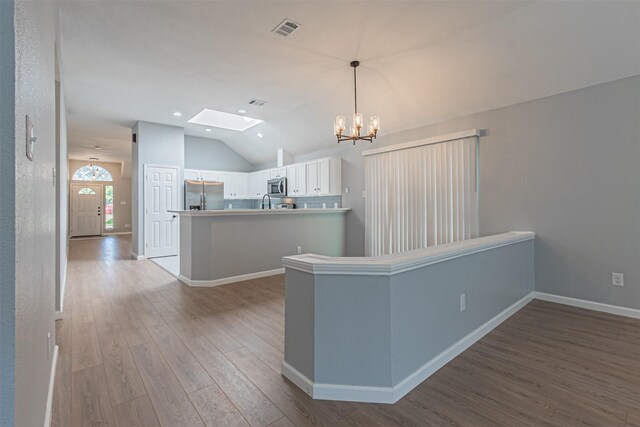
(93, 162)
(356, 127)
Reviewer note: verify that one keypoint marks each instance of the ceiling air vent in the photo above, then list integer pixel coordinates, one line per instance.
(286, 28)
(257, 102)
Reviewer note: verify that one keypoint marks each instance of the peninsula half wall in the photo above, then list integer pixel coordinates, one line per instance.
(370, 329)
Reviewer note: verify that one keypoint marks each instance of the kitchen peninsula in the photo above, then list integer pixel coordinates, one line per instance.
(226, 246)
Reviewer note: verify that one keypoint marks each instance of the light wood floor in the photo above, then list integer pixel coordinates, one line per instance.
(138, 348)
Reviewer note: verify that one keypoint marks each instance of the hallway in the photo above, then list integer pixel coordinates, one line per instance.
(137, 347)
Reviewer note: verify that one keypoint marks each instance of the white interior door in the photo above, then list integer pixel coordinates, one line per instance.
(161, 195)
(86, 210)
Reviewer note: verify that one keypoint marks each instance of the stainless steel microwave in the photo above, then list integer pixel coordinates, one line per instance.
(277, 187)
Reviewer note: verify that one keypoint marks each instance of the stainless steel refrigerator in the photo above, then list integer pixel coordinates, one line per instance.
(203, 195)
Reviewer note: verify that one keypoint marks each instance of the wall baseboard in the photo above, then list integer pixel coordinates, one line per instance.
(117, 233)
(589, 305)
(227, 280)
(137, 257)
(393, 394)
(52, 380)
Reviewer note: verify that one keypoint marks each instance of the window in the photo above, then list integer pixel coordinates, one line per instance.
(92, 173)
(108, 207)
(86, 191)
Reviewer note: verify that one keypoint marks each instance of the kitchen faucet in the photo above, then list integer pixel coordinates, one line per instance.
(266, 195)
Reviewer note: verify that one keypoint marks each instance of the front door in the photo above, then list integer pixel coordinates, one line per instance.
(86, 210)
(161, 195)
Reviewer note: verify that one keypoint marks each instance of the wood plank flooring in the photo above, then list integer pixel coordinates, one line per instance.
(138, 348)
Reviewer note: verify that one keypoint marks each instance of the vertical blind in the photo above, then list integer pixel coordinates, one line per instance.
(421, 196)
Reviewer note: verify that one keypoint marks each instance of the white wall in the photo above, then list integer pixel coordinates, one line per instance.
(35, 207)
(211, 154)
(156, 145)
(565, 167)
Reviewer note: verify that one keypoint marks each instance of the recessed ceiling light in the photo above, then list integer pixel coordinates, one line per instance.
(220, 119)
(97, 147)
(260, 135)
(177, 114)
(207, 130)
(241, 111)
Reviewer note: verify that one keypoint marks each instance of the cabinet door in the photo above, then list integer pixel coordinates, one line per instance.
(301, 179)
(278, 173)
(264, 177)
(209, 175)
(191, 174)
(323, 177)
(292, 187)
(253, 186)
(312, 178)
(227, 179)
(241, 189)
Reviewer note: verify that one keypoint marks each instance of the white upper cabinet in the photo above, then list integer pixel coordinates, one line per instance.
(324, 177)
(209, 175)
(297, 180)
(191, 174)
(278, 173)
(235, 184)
(320, 177)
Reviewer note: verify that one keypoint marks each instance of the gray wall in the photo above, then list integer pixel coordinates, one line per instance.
(7, 213)
(121, 193)
(211, 154)
(377, 330)
(218, 244)
(35, 206)
(62, 191)
(156, 145)
(565, 167)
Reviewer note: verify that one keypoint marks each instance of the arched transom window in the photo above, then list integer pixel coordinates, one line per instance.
(92, 173)
(86, 190)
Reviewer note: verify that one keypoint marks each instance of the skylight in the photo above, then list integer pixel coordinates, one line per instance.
(223, 120)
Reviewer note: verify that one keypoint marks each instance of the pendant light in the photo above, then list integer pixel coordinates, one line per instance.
(355, 133)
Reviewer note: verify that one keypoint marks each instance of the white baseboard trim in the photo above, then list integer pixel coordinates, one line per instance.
(117, 233)
(137, 257)
(58, 315)
(227, 280)
(393, 394)
(52, 380)
(589, 305)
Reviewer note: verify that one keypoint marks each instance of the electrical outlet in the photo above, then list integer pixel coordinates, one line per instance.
(463, 302)
(364, 193)
(346, 190)
(617, 279)
(299, 249)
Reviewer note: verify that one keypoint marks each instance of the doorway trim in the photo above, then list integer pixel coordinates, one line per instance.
(74, 188)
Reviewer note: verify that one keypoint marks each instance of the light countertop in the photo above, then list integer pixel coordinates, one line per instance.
(238, 212)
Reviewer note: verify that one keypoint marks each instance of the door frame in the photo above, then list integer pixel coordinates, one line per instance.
(73, 190)
(145, 195)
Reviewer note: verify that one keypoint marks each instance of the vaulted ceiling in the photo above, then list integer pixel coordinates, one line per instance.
(421, 62)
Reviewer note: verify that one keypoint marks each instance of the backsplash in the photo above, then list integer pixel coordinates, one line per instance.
(312, 202)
